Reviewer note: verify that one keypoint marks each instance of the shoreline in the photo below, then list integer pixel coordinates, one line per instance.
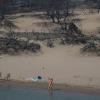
(57, 87)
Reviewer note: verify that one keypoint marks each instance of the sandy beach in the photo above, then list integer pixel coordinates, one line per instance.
(63, 63)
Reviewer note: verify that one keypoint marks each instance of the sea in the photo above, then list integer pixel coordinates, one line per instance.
(29, 93)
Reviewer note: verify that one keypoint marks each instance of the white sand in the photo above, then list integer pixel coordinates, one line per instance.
(29, 23)
(64, 64)
(89, 23)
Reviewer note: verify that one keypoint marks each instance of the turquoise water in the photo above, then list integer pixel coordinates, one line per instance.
(28, 93)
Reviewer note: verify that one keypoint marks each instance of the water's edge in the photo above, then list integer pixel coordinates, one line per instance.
(58, 87)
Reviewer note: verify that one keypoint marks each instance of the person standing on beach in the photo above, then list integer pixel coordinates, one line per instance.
(50, 80)
(50, 83)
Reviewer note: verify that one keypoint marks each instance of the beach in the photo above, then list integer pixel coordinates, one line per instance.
(63, 63)
(69, 68)
(49, 50)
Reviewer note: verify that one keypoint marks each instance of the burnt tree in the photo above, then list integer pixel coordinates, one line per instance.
(58, 9)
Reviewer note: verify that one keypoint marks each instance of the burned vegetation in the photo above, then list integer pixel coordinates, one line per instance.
(58, 12)
(15, 46)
